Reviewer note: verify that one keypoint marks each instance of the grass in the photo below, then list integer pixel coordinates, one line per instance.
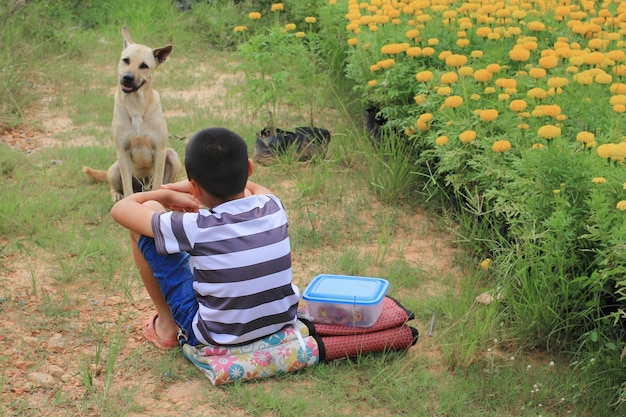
(66, 268)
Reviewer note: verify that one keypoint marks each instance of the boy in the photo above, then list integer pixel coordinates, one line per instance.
(218, 265)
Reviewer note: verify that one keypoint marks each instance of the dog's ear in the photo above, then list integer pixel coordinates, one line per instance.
(161, 54)
(128, 40)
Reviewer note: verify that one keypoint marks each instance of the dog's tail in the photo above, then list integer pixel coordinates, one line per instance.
(97, 174)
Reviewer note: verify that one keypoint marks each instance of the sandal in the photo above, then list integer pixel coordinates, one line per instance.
(148, 331)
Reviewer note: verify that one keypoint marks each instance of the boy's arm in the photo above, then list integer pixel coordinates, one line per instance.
(256, 189)
(133, 214)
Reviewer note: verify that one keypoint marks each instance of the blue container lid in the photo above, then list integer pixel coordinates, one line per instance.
(344, 289)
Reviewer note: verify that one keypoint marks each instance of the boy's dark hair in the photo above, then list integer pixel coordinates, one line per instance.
(217, 160)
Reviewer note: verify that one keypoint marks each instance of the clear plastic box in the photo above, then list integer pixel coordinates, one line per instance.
(345, 300)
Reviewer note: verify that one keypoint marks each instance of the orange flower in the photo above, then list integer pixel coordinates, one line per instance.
(467, 136)
(424, 76)
(501, 146)
(519, 54)
(489, 115)
(453, 102)
(449, 78)
(518, 105)
(482, 75)
(441, 140)
(549, 132)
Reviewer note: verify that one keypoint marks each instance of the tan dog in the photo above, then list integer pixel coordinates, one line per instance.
(143, 160)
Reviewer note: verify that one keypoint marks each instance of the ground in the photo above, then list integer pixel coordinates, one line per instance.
(47, 367)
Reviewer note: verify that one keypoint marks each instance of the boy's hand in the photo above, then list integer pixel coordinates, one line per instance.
(180, 186)
(181, 201)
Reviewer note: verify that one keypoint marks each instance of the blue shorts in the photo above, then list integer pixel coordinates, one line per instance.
(176, 281)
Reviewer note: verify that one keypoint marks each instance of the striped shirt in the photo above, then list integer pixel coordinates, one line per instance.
(240, 256)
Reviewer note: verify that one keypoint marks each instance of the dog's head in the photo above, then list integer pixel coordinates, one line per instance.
(138, 63)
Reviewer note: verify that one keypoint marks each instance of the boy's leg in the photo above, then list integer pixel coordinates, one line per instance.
(164, 325)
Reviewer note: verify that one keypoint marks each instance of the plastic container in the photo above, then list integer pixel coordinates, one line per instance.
(345, 300)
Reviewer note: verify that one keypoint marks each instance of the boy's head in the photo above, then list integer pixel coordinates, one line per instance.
(217, 160)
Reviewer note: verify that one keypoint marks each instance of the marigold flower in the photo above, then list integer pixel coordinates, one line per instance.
(428, 51)
(441, 140)
(300, 34)
(462, 43)
(277, 7)
(420, 98)
(240, 28)
(351, 41)
(453, 102)
(606, 150)
(536, 26)
(424, 76)
(467, 136)
(482, 75)
(489, 115)
(537, 146)
(433, 41)
(619, 108)
(475, 97)
(292, 26)
(501, 146)
(598, 180)
(485, 263)
(414, 51)
(483, 31)
(549, 132)
(412, 34)
(603, 78)
(537, 73)
(476, 54)
(449, 78)
(254, 15)
(548, 62)
(493, 68)
(523, 126)
(444, 91)
(456, 60)
(617, 88)
(424, 121)
(621, 205)
(466, 71)
(585, 137)
(557, 82)
(387, 63)
(518, 105)
(394, 48)
(519, 54)
(310, 19)
(537, 93)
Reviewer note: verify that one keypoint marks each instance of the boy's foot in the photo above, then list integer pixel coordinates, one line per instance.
(149, 332)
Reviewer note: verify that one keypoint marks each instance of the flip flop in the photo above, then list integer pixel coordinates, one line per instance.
(148, 331)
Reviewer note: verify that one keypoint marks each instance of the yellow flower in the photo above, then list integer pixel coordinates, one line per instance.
(621, 205)
(449, 78)
(300, 34)
(394, 48)
(493, 68)
(292, 26)
(537, 93)
(441, 140)
(598, 180)
(485, 263)
(548, 61)
(477, 54)
(482, 75)
(387, 63)
(519, 54)
(444, 91)
(277, 7)
(352, 41)
(605, 151)
(310, 19)
(240, 28)
(489, 115)
(518, 105)
(424, 121)
(523, 126)
(501, 146)
(467, 136)
(456, 60)
(254, 15)
(424, 76)
(549, 132)
(412, 34)
(420, 98)
(428, 51)
(585, 137)
(413, 51)
(453, 102)
(557, 82)
(372, 83)
(537, 73)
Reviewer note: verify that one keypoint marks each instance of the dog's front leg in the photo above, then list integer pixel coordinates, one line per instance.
(125, 164)
(159, 168)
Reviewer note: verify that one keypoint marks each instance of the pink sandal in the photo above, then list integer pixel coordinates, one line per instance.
(148, 331)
